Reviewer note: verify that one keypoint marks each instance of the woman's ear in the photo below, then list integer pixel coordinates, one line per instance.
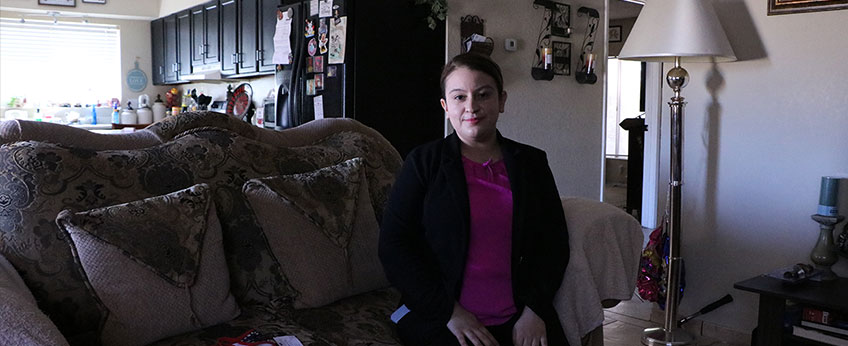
(502, 101)
(444, 104)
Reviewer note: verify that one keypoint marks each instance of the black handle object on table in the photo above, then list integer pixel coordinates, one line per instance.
(712, 306)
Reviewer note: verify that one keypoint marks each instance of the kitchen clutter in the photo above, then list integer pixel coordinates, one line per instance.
(133, 113)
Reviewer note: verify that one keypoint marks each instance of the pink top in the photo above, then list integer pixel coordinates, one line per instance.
(487, 284)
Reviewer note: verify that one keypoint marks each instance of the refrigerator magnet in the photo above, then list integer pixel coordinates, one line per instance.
(318, 64)
(310, 65)
(319, 82)
(312, 47)
(322, 26)
(322, 43)
(310, 87)
(331, 71)
(310, 28)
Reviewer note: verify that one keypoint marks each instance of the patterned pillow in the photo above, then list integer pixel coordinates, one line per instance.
(322, 229)
(156, 264)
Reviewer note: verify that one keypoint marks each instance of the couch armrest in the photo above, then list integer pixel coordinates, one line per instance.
(605, 244)
(21, 322)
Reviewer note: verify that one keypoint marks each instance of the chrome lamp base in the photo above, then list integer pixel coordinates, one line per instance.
(663, 337)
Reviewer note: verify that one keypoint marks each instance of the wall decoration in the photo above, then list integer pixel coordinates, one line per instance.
(69, 3)
(562, 58)
(776, 7)
(615, 33)
(556, 22)
(95, 1)
(585, 73)
(136, 79)
(561, 20)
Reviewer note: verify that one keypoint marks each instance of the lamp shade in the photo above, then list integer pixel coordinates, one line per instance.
(666, 29)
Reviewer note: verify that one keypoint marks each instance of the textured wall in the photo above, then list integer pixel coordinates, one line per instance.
(562, 117)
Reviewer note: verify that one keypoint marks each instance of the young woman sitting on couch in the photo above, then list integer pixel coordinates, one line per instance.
(474, 235)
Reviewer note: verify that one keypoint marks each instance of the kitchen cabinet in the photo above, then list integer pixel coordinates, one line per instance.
(183, 44)
(205, 35)
(170, 47)
(247, 13)
(229, 42)
(266, 23)
(236, 36)
(157, 41)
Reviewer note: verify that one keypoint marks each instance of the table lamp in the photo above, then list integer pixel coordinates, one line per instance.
(675, 31)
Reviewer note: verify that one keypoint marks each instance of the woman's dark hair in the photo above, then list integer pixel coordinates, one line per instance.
(474, 62)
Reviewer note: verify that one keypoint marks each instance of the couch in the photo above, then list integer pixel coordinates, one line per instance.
(216, 214)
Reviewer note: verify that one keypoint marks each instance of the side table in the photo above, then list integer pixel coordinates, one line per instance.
(774, 293)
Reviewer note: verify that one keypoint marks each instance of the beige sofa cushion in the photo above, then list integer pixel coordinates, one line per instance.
(326, 212)
(21, 322)
(156, 264)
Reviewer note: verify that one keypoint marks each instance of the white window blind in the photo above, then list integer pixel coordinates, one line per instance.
(54, 63)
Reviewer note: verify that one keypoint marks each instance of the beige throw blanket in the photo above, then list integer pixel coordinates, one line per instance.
(605, 244)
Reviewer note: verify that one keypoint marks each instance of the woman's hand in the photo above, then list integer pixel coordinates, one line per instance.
(529, 330)
(465, 325)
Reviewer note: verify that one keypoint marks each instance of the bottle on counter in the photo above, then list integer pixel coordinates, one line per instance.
(145, 115)
(116, 115)
(93, 114)
(159, 109)
(128, 116)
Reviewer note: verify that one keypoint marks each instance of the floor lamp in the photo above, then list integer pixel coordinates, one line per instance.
(675, 31)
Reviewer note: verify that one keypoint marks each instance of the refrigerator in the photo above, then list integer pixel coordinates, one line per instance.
(375, 61)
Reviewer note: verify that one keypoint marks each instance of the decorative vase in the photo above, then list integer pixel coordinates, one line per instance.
(824, 253)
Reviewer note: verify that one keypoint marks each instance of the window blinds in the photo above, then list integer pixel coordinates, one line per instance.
(55, 63)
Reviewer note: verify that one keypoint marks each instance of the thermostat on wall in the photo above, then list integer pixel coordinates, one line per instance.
(511, 44)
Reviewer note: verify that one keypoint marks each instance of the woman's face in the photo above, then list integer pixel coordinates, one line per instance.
(473, 105)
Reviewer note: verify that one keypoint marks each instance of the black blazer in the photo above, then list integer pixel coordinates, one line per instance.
(425, 229)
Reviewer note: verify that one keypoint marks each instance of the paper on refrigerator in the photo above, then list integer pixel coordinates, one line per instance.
(338, 34)
(318, 106)
(282, 43)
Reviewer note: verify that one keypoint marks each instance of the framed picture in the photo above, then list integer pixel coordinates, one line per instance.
(615, 33)
(562, 58)
(95, 1)
(69, 3)
(560, 19)
(797, 6)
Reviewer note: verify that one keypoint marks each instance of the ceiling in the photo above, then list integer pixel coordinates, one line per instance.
(620, 9)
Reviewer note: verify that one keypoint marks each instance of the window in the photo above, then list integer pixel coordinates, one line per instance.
(624, 97)
(55, 63)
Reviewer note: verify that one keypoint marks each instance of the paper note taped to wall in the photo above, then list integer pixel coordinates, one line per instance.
(282, 43)
(338, 34)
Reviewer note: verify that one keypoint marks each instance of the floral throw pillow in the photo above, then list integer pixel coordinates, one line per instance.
(156, 264)
(322, 229)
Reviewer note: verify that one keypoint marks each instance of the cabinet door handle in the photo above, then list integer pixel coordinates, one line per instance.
(235, 58)
(200, 49)
(256, 55)
(161, 70)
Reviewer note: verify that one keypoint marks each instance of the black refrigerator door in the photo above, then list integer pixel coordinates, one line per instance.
(321, 79)
(289, 106)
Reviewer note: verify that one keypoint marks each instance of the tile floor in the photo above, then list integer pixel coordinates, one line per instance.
(621, 328)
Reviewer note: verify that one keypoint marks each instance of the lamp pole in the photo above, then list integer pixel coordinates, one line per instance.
(670, 334)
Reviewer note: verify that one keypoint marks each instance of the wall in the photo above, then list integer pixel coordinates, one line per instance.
(562, 117)
(758, 135)
(626, 25)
